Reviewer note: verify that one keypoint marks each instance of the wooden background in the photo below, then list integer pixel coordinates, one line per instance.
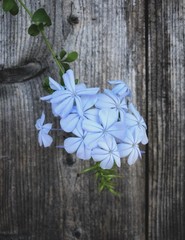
(41, 197)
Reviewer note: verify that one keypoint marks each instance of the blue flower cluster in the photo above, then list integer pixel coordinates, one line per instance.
(104, 126)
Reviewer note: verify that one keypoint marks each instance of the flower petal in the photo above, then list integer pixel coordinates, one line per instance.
(87, 91)
(106, 118)
(133, 157)
(69, 80)
(83, 152)
(46, 127)
(145, 138)
(69, 123)
(112, 95)
(46, 98)
(88, 102)
(131, 120)
(117, 158)
(107, 163)
(71, 144)
(91, 139)
(45, 139)
(80, 86)
(104, 101)
(79, 105)
(65, 107)
(59, 96)
(54, 85)
(99, 154)
(118, 130)
(91, 126)
(78, 131)
(92, 114)
(124, 149)
(40, 121)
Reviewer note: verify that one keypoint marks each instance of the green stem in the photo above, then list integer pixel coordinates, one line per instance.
(26, 9)
(48, 44)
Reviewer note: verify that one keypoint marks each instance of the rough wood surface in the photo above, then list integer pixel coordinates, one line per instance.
(166, 119)
(41, 197)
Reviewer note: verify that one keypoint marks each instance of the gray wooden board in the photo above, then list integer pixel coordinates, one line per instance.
(166, 119)
(41, 197)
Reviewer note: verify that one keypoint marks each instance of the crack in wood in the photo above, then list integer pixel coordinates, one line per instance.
(21, 73)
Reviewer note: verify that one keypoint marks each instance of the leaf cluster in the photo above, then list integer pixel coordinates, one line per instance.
(46, 85)
(40, 20)
(105, 178)
(10, 6)
(65, 58)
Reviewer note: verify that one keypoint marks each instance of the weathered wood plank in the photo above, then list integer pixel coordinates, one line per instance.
(166, 114)
(41, 196)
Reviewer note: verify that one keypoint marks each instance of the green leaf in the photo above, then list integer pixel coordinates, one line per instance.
(104, 177)
(65, 66)
(62, 81)
(71, 57)
(46, 85)
(62, 54)
(41, 27)
(8, 5)
(33, 30)
(40, 16)
(76, 81)
(14, 11)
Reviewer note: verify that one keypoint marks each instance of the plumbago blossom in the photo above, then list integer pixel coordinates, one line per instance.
(104, 126)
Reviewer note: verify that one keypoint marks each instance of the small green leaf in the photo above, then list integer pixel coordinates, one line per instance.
(62, 81)
(40, 16)
(65, 66)
(8, 5)
(41, 27)
(14, 11)
(76, 81)
(46, 85)
(33, 30)
(104, 177)
(62, 54)
(71, 57)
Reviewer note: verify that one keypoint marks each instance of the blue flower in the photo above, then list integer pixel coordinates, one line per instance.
(65, 100)
(69, 123)
(107, 153)
(107, 125)
(43, 137)
(130, 146)
(120, 88)
(116, 104)
(76, 144)
(135, 121)
(56, 87)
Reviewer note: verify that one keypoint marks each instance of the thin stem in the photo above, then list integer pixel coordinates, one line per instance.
(48, 44)
(26, 9)
(56, 129)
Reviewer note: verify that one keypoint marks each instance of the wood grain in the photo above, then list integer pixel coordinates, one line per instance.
(41, 197)
(166, 118)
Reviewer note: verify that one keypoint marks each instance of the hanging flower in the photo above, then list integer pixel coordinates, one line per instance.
(120, 88)
(135, 121)
(107, 153)
(107, 125)
(116, 104)
(76, 144)
(130, 146)
(64, 100)
(43, 137)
